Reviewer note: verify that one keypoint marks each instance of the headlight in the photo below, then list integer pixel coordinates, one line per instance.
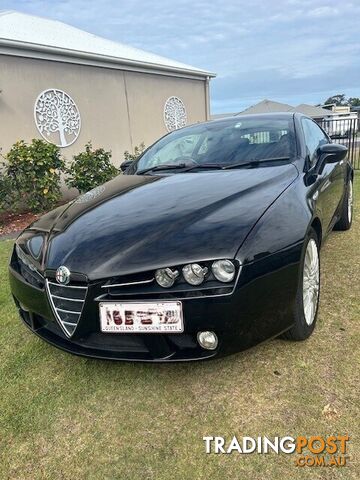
(35, 245)
(166, 277)
(24, 258)
(194, 273)
(223, 270)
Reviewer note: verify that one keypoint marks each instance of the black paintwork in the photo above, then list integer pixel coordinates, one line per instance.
(259, 217)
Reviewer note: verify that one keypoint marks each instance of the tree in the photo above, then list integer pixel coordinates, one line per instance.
(354, 101)
(341, 100)
(338, 100)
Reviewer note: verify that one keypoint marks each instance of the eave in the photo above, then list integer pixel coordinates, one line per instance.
(45, 52)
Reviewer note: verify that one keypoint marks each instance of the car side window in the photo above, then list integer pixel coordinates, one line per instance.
(314, 138)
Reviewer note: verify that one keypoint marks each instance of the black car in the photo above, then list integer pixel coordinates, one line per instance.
(207, 245)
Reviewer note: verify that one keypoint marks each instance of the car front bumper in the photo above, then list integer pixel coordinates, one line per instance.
(260, 307)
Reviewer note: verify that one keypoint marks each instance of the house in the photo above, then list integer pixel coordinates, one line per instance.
(219, 116)
(343, 120)
(267, 106)
(356, 110)
(336, 121)
(315, 112)
(69, 86)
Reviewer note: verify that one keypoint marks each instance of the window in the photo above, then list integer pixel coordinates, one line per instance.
(265, 136)
(314, 138)
(180, 148)
(224, 143)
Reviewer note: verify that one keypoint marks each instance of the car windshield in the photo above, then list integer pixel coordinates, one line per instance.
(222, 143)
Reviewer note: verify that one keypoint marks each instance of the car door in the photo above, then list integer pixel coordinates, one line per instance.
(331, 180)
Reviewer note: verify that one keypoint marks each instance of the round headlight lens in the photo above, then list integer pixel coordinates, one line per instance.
(194, 273)
(166, 277)
(223, 270)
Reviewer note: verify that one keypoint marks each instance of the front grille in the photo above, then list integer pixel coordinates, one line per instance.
(67, 302)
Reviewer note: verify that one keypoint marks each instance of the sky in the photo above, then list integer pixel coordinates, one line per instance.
(292, 51)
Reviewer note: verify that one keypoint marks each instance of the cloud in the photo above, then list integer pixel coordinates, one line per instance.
(286, 50)
(325, 11)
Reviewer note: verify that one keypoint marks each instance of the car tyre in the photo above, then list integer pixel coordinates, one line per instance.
(346, 213)
(308, 293)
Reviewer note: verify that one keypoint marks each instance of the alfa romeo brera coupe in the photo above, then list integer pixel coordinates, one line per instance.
(207, 244)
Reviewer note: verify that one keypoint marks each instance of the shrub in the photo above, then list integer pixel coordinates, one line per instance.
(138, 150)
(6, 193)
(33, 173)
(90, 169)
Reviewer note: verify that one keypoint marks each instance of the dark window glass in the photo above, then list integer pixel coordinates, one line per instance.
(224, 142)
(314, 138)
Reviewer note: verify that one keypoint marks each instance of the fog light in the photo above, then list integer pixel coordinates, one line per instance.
(207, 340)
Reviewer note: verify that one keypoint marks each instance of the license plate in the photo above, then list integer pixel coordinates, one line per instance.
(146, 317)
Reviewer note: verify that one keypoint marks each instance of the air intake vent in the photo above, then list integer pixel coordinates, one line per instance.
(67, 302)
(23, 265)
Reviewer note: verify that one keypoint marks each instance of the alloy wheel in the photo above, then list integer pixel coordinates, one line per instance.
(350, 201)
(311, 281)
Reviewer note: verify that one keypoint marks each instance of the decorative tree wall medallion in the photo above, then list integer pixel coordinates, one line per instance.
(57, 117)
(174, 114)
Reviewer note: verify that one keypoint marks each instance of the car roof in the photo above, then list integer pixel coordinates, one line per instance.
(238, 118)
(253, 116)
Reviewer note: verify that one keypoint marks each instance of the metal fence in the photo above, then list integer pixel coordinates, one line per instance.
(346, 132)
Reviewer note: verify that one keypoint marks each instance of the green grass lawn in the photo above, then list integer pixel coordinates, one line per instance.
(66, 417)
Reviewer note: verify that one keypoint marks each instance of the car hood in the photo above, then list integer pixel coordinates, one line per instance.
(136, 223)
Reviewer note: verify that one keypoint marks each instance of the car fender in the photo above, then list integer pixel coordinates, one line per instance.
(282, 228)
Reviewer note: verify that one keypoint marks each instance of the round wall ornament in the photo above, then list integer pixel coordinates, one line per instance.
(57, 117)
(174, 114)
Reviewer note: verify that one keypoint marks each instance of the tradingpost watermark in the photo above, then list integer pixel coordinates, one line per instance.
(308, 451)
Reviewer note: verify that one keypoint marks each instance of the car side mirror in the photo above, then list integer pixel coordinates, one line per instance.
(125, 165)
(332, 152)
(328, 153)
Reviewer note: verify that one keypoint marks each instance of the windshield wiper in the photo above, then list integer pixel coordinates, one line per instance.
(255, 163)
(215, 166)
(157, 168)
(180, 166)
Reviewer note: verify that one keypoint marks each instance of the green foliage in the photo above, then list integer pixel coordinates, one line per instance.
(6, 192)
(338, 100)
(341, 100)
(354, 101)
(32, 173)
(30, 178)
(90, 169)
(138, 150)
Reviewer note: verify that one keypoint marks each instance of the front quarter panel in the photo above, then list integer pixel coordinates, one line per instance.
(283, 226)
(271, 257)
